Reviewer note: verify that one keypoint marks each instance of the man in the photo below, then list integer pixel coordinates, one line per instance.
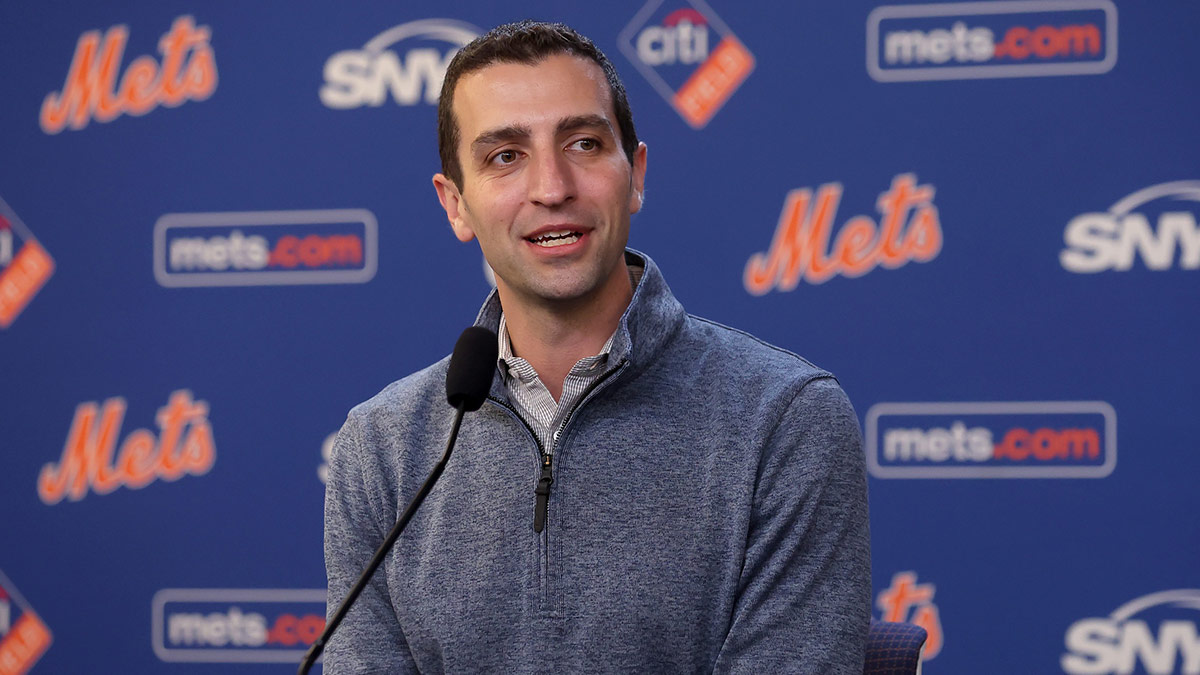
(643, 491)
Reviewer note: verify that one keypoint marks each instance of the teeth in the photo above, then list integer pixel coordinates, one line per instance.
(560, 238)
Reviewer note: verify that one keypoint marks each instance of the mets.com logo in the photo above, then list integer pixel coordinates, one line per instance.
(265, 248)
(232, 625)
(688, 55)
(412, 74)
(1034, 439)
(977, 40)
(1101, 242)
(1157, 633)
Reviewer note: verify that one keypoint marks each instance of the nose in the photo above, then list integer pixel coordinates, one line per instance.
(551, 182)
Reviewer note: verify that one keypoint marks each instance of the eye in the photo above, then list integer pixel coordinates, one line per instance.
(504, 157)
(586, 144)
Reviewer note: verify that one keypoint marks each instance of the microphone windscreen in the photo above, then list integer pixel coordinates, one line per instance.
(472, 367)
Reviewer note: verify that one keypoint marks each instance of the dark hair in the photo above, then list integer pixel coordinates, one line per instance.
(527, 42)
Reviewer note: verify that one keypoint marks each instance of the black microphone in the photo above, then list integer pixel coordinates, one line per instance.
(468, 381)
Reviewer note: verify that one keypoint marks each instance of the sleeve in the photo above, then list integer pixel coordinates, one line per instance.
(369, 639)
(804, 596)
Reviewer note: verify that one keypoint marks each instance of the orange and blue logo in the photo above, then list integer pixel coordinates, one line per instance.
(688, 55)
(265, 248)
(183, 445)
(24, 637)
(908, 230)
(236, 625)
(1028, 439)
(24, 266)
(977, 40)
(92, 90)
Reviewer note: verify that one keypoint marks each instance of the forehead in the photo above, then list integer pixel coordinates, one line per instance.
(531, 94)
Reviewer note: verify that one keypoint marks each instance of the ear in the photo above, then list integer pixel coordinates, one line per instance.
(452, 201)
(638, 179)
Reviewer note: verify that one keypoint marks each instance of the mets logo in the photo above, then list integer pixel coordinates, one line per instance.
(688, 55)
(24, 266)
(975, 40)
(909, 230)
(364, 77)
(24, 637)
(1101, 242)
(188, 72)
(1156, 633)
(91, 461)
(265, 248)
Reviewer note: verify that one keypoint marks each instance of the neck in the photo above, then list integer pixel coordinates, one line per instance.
(554, 336)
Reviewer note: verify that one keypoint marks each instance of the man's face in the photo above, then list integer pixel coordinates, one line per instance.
(547, 189)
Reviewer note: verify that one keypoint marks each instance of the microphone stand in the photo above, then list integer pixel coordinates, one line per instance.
(317, 647)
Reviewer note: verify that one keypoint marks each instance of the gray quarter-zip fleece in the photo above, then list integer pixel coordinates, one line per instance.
(707, 513)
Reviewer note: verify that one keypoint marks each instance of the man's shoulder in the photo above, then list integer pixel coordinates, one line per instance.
(746, 356)
(406, 398)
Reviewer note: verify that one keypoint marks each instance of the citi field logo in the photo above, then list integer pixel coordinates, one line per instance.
(183, 445)
(688, 55)
(24, 266)
(1159, 632)
(230, 625)
(909, 230)
(265, 248)
(907, 601)
(975, 40)
(1035, 439)
(1100, 242)
(24, 637)
(408, 61)
(187, 72)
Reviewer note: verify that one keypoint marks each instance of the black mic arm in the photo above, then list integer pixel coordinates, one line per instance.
(314, 652)
(468, 380)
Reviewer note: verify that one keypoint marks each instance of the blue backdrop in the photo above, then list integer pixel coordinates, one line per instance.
(218, 234)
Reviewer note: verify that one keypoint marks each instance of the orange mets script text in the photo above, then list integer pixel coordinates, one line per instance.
(188, 72)
(909, 230)
(184, 445)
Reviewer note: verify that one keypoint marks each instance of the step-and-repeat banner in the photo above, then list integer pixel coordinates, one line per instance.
(218, 233)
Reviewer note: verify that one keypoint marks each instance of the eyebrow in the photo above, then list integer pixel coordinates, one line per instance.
(517, 132)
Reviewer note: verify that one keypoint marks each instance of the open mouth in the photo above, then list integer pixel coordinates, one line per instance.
(557, 238)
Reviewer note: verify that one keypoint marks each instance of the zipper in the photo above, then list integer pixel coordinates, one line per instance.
(543, 493)
(546, 479)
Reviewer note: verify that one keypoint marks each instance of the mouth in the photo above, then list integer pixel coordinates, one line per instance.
(555, 238)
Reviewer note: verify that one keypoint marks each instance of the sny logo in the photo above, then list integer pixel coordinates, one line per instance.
(359, 77)
(188, 72)
(1034, 439)
(688, 55)
(232, 625)
(909, 231)
(24, 266)
(24, 637)
(183, 446)
(1154, 631)
(976, 40)
(1098, 242)
(907, 601)
(260, 248)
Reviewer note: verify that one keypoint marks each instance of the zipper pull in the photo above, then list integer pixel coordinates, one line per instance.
(543, 494)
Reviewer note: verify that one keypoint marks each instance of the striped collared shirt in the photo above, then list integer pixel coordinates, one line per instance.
(533, 400)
